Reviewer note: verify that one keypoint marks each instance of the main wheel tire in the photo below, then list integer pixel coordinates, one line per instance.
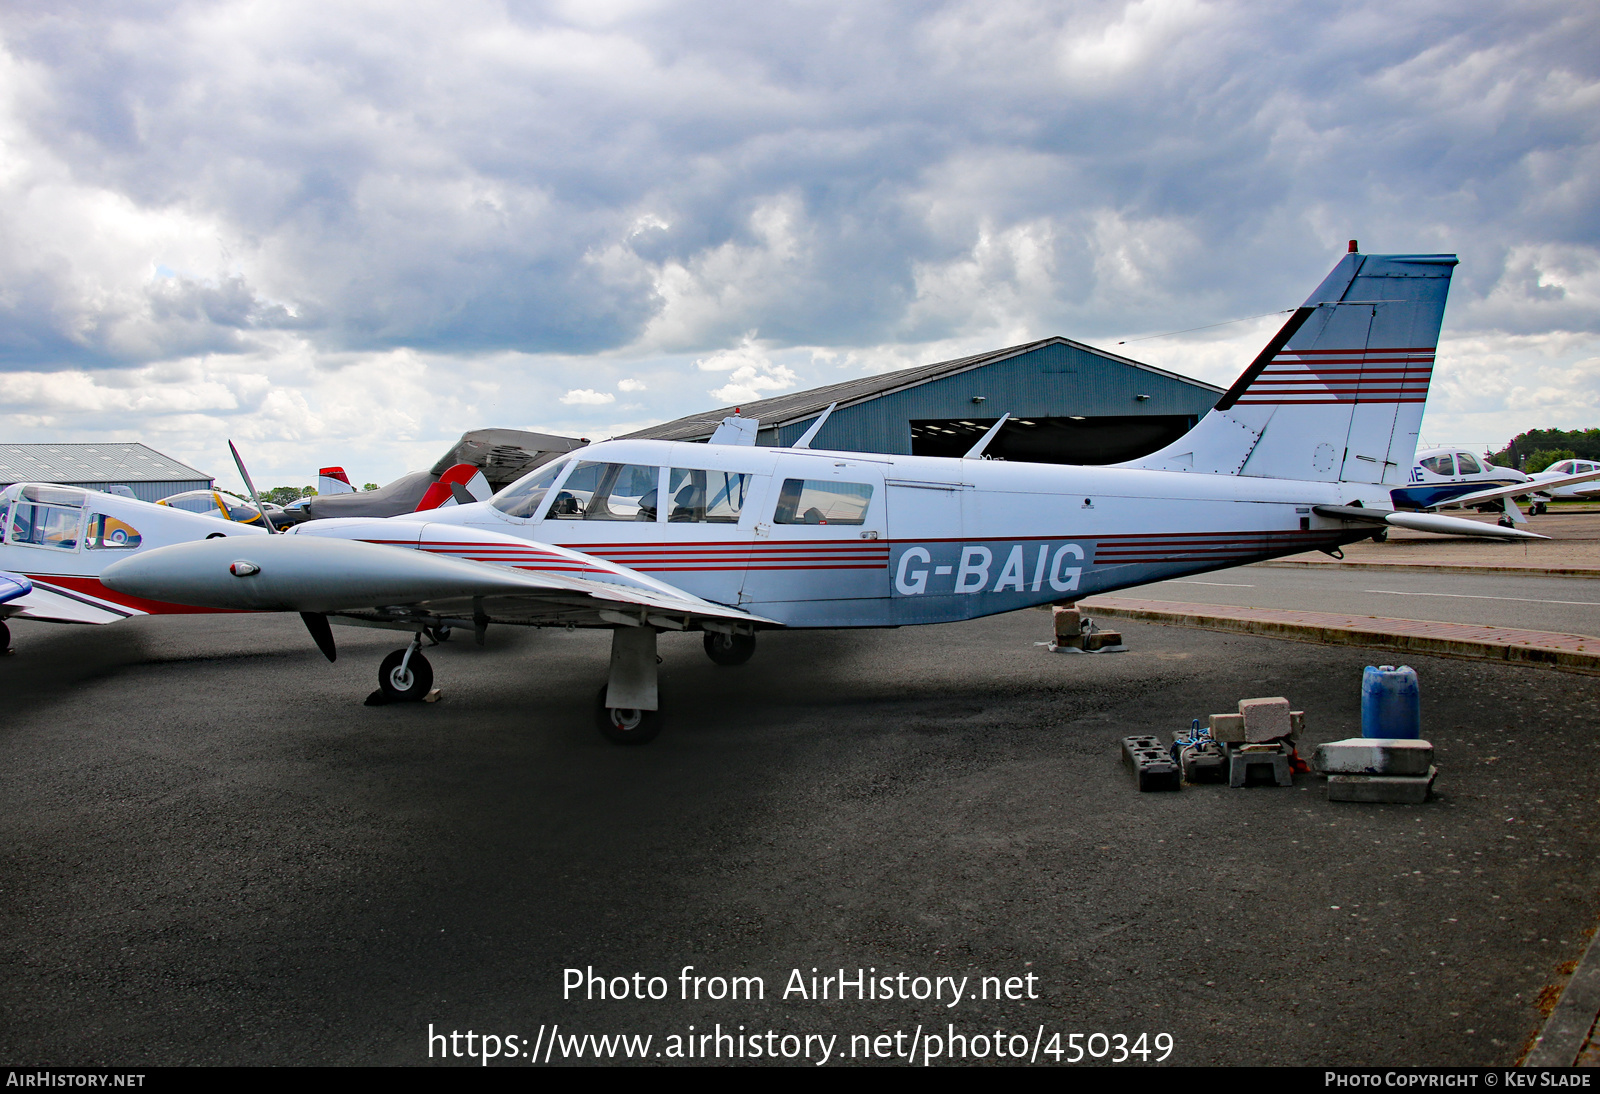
(623, 726)
(409, 686)
(1381, 536)
(730, 649)
(441, 633)
(1539, 508)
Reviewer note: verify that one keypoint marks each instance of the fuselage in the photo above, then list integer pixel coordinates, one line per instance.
(849, 539)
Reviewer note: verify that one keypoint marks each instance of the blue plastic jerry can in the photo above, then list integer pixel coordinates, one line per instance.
(1391, 703)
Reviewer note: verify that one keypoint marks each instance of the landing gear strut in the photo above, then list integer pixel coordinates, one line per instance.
(628, 709)
(5, 640)
(405, 675)
(730, 649)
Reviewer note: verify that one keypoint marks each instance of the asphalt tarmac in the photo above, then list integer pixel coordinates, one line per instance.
(214, 854)
(1568, 605)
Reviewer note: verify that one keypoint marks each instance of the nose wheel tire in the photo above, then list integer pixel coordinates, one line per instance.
(410, 685)
(622, 726)
(730, 649)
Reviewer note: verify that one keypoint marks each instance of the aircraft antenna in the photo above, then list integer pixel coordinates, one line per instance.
(809, 435)
(256, 501)
(976, 451)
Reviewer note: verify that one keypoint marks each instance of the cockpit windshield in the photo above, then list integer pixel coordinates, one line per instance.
(524, 497)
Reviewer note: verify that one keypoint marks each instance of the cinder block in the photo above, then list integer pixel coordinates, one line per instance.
(1265, 719)
(1099, 640)
(1150, 763)
(1374, 756)
(1203, 763)
(1069, 623)
(1227, 728)
(1390, 789)
(1297, 722)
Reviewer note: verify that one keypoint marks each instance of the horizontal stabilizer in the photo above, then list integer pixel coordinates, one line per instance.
(1423, 522)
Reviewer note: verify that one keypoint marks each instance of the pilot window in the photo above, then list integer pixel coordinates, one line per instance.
(608, 491)
(1467, 464)
(46, 526)
(1440, 465)
(707, 497)
(110, 534)
(819, 501)
(524, 497)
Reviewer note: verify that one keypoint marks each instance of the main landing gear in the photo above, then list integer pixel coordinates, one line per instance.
(730, 649)
(405, 675)
(628, 708)
(5, 640)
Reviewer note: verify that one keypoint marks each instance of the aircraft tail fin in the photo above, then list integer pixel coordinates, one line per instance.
(463, 482)
(1337, 395)
(333, 480)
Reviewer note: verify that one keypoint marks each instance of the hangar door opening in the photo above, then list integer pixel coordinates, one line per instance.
(1105, 439)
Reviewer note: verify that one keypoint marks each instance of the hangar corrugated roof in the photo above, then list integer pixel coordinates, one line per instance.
(787, 409)
(109, 461)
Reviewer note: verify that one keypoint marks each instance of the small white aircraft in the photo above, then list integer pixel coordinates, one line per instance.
(1447, 478)
(56, 540)
(1569, 480)
(642, 536)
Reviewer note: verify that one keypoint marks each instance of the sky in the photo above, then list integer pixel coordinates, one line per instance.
(346, 232)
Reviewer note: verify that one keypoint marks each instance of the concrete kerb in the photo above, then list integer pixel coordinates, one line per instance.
(1388, 634)
(1567, 1029)
(1435, 568)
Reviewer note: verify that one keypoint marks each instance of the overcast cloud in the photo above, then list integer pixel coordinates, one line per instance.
(348, 231)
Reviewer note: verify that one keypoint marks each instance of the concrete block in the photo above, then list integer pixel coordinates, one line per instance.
(1203, 763)
(1227, 728)
(1150, 763)
(1270, 761)
(1373, 756)
(1391, 789)
(1069, 623)
(1265, 719)
(1099, 640)
(1297, 722)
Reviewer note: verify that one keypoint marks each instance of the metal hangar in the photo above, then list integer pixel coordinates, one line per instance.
(1069, 403)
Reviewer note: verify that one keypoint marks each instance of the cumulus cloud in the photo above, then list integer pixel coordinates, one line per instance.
(587, 397)
(614, 193)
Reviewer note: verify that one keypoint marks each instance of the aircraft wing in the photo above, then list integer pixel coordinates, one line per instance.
(22, 598)
(389, 584)
(1422, 522)
(1518, 489)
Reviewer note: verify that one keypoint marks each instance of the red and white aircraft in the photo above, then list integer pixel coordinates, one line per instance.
(641, 536)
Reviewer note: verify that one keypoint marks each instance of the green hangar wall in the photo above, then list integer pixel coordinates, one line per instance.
(1069, 403)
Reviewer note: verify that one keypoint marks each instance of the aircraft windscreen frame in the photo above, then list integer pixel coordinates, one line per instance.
(523, 498)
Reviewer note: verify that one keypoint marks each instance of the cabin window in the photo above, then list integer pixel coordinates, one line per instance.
(524, 497)
(608, 491)
(820, 501)
(1467, 464)
(1441, 465)
(707, 497)
(46, 526)
(110, 534)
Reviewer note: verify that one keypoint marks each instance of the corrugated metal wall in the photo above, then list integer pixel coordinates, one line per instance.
(144, 491)
(1050, 382)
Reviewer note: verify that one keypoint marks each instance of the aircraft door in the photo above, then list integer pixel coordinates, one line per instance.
(820, 555)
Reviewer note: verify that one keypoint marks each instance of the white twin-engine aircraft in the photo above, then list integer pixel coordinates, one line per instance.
(642, 536)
